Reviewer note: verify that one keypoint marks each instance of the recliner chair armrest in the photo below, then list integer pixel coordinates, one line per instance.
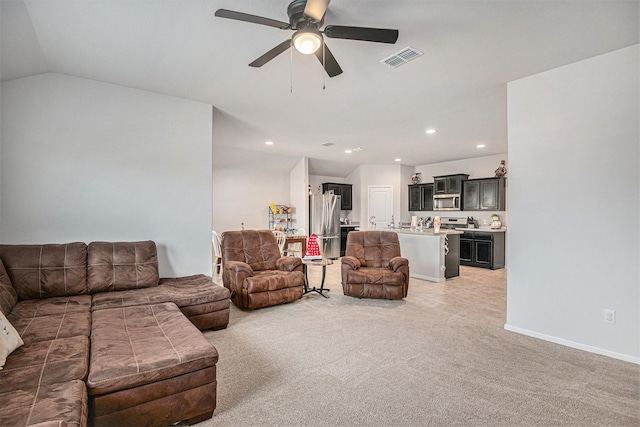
(239, 267)
(351, 262)
(289, 263)
(397, 262)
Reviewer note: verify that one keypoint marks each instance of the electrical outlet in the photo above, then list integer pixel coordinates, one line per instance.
(609, 316)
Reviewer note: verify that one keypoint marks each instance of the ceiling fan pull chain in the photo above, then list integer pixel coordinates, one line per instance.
(324, 61)
(290, 70)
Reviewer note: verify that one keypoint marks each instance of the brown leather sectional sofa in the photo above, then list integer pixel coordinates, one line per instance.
(106, 340)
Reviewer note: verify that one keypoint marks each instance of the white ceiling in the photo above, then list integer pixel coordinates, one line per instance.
(471, 50)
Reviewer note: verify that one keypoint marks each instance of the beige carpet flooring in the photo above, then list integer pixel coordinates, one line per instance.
(438, 358)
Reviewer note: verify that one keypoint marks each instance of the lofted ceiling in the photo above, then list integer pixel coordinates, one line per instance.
(458, 87)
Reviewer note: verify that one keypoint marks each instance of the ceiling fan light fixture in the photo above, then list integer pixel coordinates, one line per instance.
(307, 41)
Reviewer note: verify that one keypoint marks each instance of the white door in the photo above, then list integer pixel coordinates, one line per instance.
(380, 205)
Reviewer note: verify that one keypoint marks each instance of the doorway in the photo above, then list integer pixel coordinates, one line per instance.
(380, 205)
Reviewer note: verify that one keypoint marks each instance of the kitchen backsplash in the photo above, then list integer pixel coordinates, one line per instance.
(483, 218)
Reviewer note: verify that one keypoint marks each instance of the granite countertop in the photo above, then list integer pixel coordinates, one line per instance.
(425, 232)
(487, 229)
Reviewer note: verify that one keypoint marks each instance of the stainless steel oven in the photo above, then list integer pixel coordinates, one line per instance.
(446, 202)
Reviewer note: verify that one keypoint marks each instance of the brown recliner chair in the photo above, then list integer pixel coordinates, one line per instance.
(254, 271)
(372, 266)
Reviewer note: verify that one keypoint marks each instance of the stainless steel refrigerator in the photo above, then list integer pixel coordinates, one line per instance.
(325, 223)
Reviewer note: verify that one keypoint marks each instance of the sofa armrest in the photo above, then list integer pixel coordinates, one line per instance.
(351, 262)
(398, 262)
(289, 263)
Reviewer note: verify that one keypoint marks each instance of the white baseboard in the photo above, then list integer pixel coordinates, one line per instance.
(428, 278)
(572, 344)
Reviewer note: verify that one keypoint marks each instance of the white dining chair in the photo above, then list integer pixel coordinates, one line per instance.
(217, 253)
(295, 249)
(281, 238)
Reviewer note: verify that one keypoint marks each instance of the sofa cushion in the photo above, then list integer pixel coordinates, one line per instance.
(9, 339)
(116, 266)
(193, 290)
(51, 306)
(50, 405)
(46, 362)
(54, 326)
(133, 346)
(43, 271)
(183, 291)
(8, 295)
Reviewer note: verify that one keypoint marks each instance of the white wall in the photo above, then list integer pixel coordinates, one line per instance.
(405, 179)
(316, 181)
(378, 175)
(299, 193)
(244, 196)
(355, 179)
(86, 161)
(574, 205)
(477, 167)
(245, 182)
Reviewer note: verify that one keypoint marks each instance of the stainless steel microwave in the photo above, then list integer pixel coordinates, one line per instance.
(446, 202)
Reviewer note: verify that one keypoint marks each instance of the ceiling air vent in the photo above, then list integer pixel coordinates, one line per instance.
(399, 58)
(328, 144)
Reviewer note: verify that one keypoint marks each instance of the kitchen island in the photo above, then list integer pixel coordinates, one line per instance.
(432, 256)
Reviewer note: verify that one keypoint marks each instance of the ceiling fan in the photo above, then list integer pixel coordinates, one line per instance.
(306, 17)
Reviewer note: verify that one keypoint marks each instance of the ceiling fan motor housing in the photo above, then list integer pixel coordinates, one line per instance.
(297, 18)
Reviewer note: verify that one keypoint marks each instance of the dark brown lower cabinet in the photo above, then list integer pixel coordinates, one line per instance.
(344, 231)
(452, 256)
(482, 249)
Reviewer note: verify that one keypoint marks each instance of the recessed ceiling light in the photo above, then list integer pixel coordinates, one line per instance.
(480, 146)
(398, 160)
(431, 131)
(348, 151)
(269, 142)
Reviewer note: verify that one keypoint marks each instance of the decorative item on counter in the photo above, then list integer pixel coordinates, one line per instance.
(495, 222)
(416, 178)
(471, 223)
(502, 170)
(313, 250)
(436, 224)
(372, 222)
(414, 222)
(242, 226)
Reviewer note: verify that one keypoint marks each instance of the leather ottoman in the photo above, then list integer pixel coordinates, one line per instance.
(149, 366)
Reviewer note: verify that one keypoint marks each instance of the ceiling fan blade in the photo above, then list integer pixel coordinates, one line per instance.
(271, 54)
(316, 9)
(330, 64)
(378, 35)
(239, 16)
